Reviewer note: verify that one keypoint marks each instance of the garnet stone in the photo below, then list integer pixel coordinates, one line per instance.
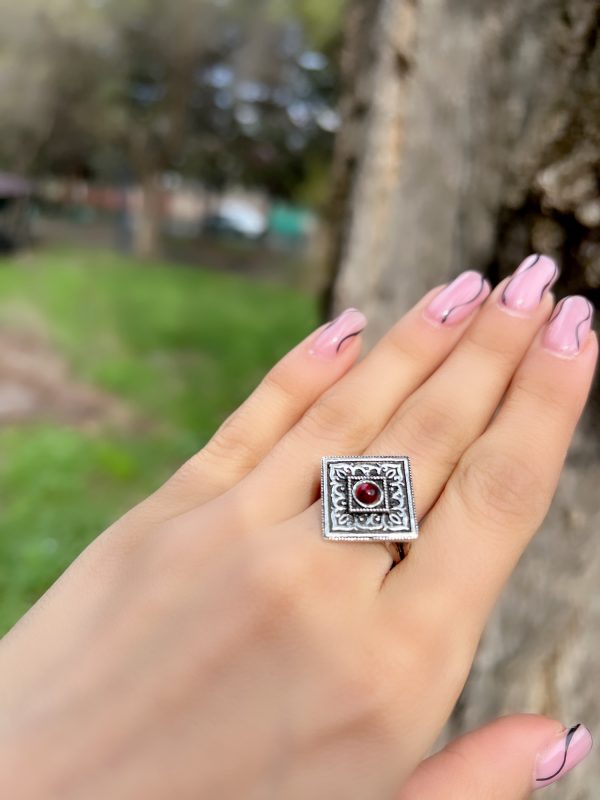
(367, 493)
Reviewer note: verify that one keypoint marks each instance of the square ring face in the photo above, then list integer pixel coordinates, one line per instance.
(368, 498)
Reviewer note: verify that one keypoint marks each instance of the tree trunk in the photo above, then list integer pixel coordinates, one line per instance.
(471, 137)
(147, 240)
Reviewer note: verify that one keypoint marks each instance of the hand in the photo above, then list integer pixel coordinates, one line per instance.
(211, 644)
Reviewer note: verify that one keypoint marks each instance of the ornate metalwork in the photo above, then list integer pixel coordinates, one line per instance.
(391, 518)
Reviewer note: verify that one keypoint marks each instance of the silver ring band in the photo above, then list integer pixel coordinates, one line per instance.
(397, 550)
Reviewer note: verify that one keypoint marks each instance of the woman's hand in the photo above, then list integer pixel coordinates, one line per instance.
(211, 644)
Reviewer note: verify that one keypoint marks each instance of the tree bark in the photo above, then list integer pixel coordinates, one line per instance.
(471, 137)
(147, 240)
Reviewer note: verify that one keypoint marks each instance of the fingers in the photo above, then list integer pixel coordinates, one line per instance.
(436, 424)
(293, 385)
(451, 409)
(501, 489)
(505, 760)
(348, 416)
(282, 397)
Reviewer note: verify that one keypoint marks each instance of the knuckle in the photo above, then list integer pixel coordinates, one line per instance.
(328, 417)
(405, 348)
(278, 385)
(549, 396)
(480, 344)
(211, 469)
(497, 486)
(231, 444)
(431, 429)
(189, 472)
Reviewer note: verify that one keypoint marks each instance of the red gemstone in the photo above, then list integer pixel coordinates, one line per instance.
(367, 493)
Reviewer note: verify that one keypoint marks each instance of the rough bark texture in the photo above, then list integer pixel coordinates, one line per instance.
(471, 137)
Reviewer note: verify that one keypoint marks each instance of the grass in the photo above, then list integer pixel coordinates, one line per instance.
(180, 347)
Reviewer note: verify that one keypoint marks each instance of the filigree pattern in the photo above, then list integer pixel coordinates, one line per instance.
(393, 518)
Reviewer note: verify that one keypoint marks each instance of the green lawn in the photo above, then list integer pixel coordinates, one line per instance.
(181, 347)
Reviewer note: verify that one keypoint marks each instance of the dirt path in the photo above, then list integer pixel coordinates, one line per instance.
(37, 384)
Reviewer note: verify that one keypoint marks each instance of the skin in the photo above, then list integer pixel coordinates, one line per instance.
(212, 644)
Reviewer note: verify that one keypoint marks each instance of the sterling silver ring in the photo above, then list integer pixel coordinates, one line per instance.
(369, 499)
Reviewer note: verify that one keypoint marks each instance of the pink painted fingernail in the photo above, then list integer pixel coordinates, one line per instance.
(569, 326)
(457, 300)
(338, 333)
(562, 756)
(530, 281)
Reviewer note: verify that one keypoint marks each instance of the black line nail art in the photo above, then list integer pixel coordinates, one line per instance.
(550, 282)
(585, 319)
(339, 316)
(527, 268)
(466, 302)
(568, 739)
(559, 308)
(349, 336)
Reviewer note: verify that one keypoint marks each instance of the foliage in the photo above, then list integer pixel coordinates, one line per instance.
(181, 347)
(322, 20)
(225, 91)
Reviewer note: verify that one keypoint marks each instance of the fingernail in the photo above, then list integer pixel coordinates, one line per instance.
(530, 281)
(569, 326)
(339, 333)
(562, 756)
(456, 301)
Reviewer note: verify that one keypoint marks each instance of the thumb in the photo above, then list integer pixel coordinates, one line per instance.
(505, 760)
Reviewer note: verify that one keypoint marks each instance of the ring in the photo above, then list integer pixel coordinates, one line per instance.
(397, 550)
(369, 499)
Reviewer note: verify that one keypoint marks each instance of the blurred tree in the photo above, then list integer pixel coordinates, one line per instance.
(40, 44)
(322, 20)
(228, 92)
(470, 137)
